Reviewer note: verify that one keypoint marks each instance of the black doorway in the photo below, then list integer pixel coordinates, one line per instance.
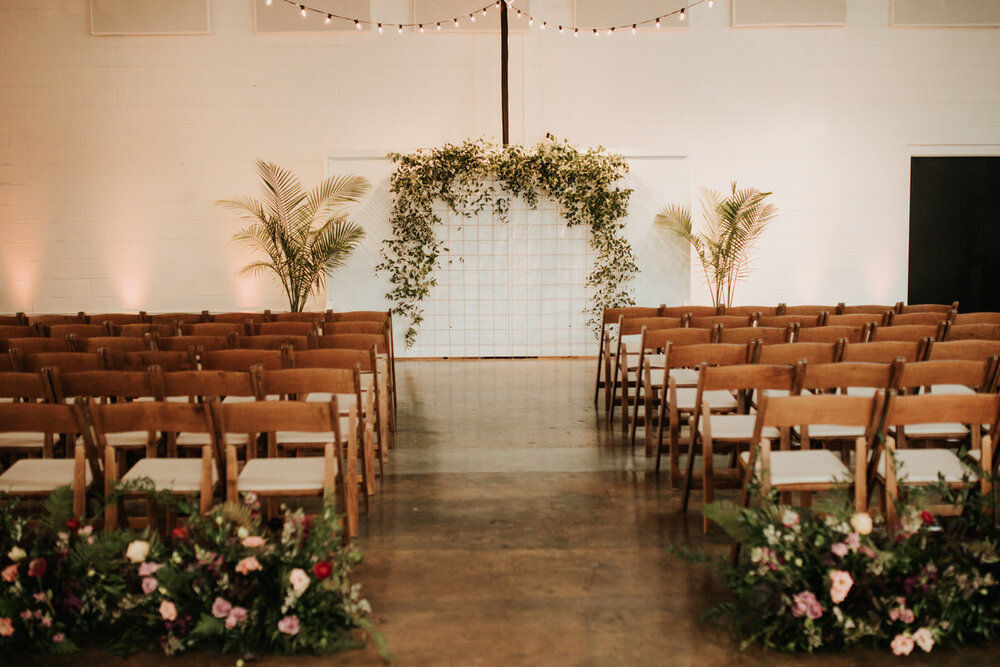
(954, 231)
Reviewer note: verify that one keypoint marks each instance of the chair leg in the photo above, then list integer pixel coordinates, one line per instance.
(689, 473)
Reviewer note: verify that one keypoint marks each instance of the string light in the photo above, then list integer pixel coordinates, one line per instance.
(380, 28)
(400, 29)
(711, 3)
(681, 13)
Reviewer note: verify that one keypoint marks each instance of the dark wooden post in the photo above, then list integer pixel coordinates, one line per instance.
(504, 99)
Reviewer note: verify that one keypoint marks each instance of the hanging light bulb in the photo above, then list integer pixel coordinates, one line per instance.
(518, 13)
(302, 10)
(268, 3)
(711, 3)
(560, 30)
(576, 32)
(611, 31)
(421, 27)
(682, 15)
(456, 23)
(439, 25)
(633, 28)
(380, 28)
(400, 29)
(531, 20)
(545, 25)
(657, 23)
(596, 34)
(357, 24)
(472, 17)
(484, 11)
(329, 18)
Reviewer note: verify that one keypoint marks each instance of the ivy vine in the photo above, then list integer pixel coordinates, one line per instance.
(475, 176)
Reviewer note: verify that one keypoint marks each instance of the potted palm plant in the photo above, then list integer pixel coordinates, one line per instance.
(305, 235)
(733, 224)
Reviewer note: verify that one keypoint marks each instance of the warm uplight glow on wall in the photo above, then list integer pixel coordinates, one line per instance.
(246, 292)
(21, 277)
(132, 291)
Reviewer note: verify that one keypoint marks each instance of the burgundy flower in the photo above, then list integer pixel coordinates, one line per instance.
(322, 569)
(927, 517)
(179, 533)
(72, 523)
(36, 568)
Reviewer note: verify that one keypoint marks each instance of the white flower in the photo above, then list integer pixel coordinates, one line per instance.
(16, 554)
(137, 551)
(862, 523)
(924, 639)
(771, 534)
(242, 532)
(299, 580)
(789, 519)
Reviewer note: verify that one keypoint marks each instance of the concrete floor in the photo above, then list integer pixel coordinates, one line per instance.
(515, 528)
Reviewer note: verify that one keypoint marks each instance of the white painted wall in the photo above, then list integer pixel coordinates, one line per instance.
(113, 149)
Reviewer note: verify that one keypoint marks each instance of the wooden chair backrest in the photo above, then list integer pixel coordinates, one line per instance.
(791, 353)
(976, 318)
(693, 311)
(17, 331)
(276, 342)
(866, 309)
(271, 416)
(38, 418)
(238, 318)
(926, 308)
(919, 318)
(178, 360)
(212, 329)
(714, 354)
(28, 386)
(151, 416)
(832, 334)
(973, 350)
(724, 320)
(630, 326)
(78, 330)
(66, 362)
(750, 310)
(6, 363)
(101, 384)
(333, 358)
(812, 310)
(973, 331)
(202, 384)
(116, 318)
(308, 380)
(809, 409)
(198, 342)
(936, 408)
(112, 344)
(977, 374)
(746, 376)
(850, 374)
(353, 341)
(287, 328)
(908, 332)
(174, 318)
(767, 335)
(857, 319)
(361, 316)
(306, 317)
(36, 345)
(379, 328)
(804, 321)
(885, 351)
(657, 339)
(241, 360)
(79, 318)
(12, 321)
(613, 315)
(140, 330)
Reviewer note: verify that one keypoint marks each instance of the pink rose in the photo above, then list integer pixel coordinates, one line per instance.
(10, 573)
(806, 604)
(290, 626)
(7, 628)
(901, 645)
(148, 569)
(893, 614)
(149, 585)
(25, 615)
(236, 616)
(36, 568)
(221, 607)
(839, 549)
(299, 580)
(867, 551)
(253, 541)
(853, 541)
(840, 585)
(58, 638)
(47, 621)
(168, 611)
(906, 616)
(924, 639)
(248, 565)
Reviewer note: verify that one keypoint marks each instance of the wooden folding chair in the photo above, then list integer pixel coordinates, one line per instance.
(973, 332)
(677, 403)
(274, 477)
(139, 361)
(77, 330)
(927, 467)
(752, 310)
(384, 358)
(383, 316)
(277, 341)
(113, 344)
(927, 308)
(910, 332)
(48, 319)
(8, 331)
(803, 321)
(971, 350)
(180, 476)
(36, 345)
(26, 388)
(790, 353)
(175, 319)
(241, 360)
(886, 352)
(112, 319)
(865, 309)
(711, 430)
(304, 316)
(68, 362)
(857, 319)
(690, 311)
(219, 329)
(37, 478)
(724, 320)
(628, 358)
(143, 330)
(976, 318)
(766, 335)
(287, 328)
(927, 319)
(834, 334)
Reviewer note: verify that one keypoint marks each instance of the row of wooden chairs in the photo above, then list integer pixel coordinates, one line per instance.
(180, 328)
(256, 385)
(142, 317)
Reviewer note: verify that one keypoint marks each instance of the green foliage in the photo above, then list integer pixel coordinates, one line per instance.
(733, 224)
(476, 176)
(304, 235)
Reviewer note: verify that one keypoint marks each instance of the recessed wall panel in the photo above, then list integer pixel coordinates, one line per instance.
(788, 13)
(282, 17)
(945, 13)
(149, 17)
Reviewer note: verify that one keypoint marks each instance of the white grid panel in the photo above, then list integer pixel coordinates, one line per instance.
(509, 290)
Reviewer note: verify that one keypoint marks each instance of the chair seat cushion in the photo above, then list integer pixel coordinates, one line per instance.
(867, 392)
(128, 439)
(309, 438)
(737, 427)
(835, 431)
(239, 399)
(807, 466)
(202, 439)
(718, 400)
(40, 475)
(177, 475)
(921, 466)
(936, 430)
(960, 389)
(685, 377)
(303, 473)
(344, 401)
(21, 440)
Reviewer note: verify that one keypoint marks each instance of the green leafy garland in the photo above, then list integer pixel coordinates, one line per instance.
(474, 175)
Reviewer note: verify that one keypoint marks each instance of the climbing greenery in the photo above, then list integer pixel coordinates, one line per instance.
(476, 176)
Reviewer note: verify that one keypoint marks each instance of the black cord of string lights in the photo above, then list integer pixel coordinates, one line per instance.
(680, 13)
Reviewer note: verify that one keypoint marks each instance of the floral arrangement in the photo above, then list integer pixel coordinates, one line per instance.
(475, 176)
(227, 579)
(833, 579)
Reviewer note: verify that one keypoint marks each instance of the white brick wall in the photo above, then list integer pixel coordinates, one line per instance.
(113, 149)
